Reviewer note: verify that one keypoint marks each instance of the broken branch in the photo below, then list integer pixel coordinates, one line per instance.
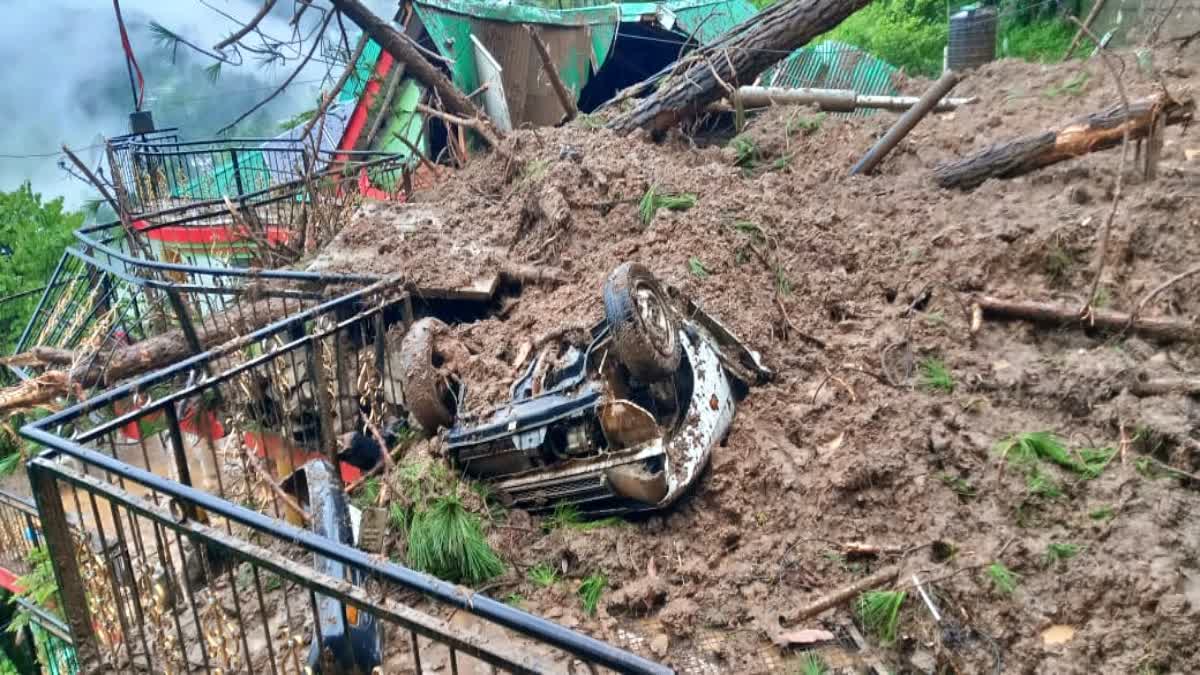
(849, 592)
(570, 112)
(1162, 330)
(1094, 132)
(245, 30)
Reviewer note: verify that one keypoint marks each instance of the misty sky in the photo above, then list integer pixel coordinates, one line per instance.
(64, 78)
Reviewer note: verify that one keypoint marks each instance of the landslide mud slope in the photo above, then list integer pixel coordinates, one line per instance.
(851, 443)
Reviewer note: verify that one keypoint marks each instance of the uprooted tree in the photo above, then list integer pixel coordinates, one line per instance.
(1097, 131)
(738, 57)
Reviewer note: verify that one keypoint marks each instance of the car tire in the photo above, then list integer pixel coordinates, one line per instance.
(426, 393)
(644, 327)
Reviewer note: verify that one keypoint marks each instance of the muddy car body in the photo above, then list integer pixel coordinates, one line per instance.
(623, 421)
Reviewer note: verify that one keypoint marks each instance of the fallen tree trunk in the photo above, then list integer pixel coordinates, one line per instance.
(1164, 386)
(107, 367)
(1162, 330)
(405, 51)
(707, 74)
(1097, 131)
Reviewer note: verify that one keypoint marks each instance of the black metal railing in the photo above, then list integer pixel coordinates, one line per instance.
(20, 532)
(159, 173)
(203, 559)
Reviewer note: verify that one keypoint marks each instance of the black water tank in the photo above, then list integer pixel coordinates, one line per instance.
(972, 40)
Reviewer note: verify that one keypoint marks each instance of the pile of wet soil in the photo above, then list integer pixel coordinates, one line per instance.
(853, 442)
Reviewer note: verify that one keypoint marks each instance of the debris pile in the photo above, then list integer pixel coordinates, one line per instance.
(880, 450)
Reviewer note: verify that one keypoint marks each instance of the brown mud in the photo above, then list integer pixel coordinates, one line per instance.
(850, 443)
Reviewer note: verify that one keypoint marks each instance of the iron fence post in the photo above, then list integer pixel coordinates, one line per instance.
(65, 562)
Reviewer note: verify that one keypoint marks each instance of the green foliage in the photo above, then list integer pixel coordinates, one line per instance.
(959, 485)
(40, 587)
(568, 515)
(368, 493)
(880, 613)
(1041, 485)
(935, 376)
(1057, 552)
(908, 34)
(805, 124)
(33, 235)
(654, 200)
(697, 268)
(1043, 41)
(543, 575)
(1003, 579)
(447, 541)
(811, 663)
(746, 152)
(513, 600)
(1102, 513)
(1072, 86)
(590, 590)
(298, 119)
(1029, 447)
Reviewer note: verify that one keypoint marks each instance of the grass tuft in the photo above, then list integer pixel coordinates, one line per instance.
(1029, 447)
(697, 268)
(1041, 485)
(368, 493)
(568, 515)
(805, 124)
(653, 200)
(935, 376)
(543, 575)
(590, 591)
(746, 152)
(1003, 579)
(959, 485)
(880, 613)
(811, 663)
(1071, 87)
(1102, 513)
(1057, 552)
(447, 541)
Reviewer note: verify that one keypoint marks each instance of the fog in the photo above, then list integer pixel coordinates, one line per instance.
(65, 81)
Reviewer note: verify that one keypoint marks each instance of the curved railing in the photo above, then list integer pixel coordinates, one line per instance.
(169, 543)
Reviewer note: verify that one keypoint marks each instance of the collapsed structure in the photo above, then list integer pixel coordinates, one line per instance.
(218, 348)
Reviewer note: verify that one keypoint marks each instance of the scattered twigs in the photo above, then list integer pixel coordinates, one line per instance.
(1087, 22)
(1160, 288)
(570, 111)
(1162, 330)
(937, 617)
(849, 592)
(1155, 122)
(245, 30)
(419, 155)
(331, 95)
(280, 89)
(475, 124)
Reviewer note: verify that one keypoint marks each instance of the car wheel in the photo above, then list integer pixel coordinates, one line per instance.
(427, 395)
(645, 331)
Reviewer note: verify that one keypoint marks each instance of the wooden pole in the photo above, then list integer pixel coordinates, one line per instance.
(560, 90)
(838, 100)
(906, 123)
(1087, 23)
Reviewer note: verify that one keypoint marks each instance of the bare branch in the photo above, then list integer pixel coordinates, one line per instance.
(312, 50)
(337, 87)
(245, 30)
(1102, 252)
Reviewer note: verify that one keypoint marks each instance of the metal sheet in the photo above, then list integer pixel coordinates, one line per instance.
(491, 75)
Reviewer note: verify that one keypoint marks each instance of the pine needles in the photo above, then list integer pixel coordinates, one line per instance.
(447, 541)
(1003, 579)
(568, 515)
(543, 575)
(653, 200)
(936, 377)
(1030, 449)
(590, 590)
(880, 613)
(811, 663)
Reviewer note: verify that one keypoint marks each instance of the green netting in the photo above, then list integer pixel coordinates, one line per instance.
(835, 65)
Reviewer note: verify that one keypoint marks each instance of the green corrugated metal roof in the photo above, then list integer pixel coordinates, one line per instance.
(834, 65)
